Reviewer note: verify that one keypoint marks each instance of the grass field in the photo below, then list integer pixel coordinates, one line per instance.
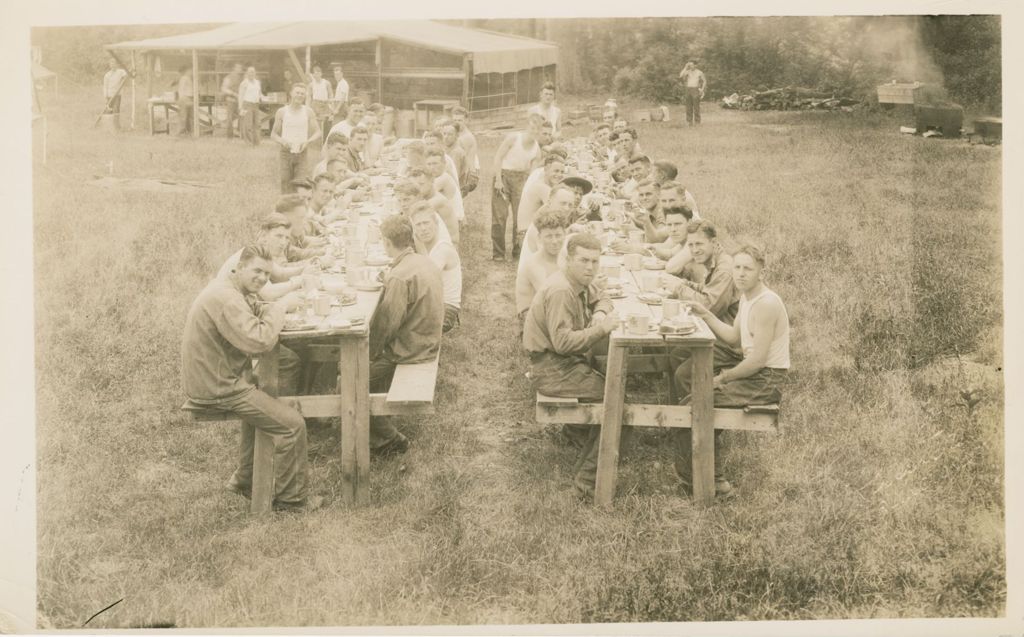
(883, 497)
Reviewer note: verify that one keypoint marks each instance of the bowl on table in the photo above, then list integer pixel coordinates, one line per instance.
(333, 283)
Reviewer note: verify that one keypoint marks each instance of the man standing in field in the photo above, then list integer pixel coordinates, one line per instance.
(513, 162)
(250, 94)
(229, 96)
(546, 108)
(407, 325)
(567, 319)
(761, 331)
(339, 100)
(694, 86)
(224, 329)
(295, 128)
(113, 80)
(468, 143)
(443, 254)
(186, 112)
(319, 98)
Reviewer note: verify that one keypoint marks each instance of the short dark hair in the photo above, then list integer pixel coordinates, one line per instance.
(418, 172)
(583, 240)
(328, 177)
(253, 251)
(702, 225)
(553, 158)
(435, 152)
(397, 230)
(359, 130)
(642, 159)
(679, 210)
(547, 124)
(275, 220)
(549, 85)
(317, 67)
(668, 168)
(434, 134)
(337, 138)
(556, 150)
(287, 203)
(755, 252)
(649, 183)
(421, 207)
(460, 110)
(673, 185)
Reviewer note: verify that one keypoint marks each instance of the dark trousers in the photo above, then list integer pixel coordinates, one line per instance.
(293, 166)
(249, 123)
(762, 388)
(259, 410)
(381, 430)
(115, 105)
(185, 116)
(692, 98)
(451, 318)
(231, 110)
(501, 209)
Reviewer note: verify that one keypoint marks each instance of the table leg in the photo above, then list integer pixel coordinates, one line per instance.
(703, 426)
(354, 365)
(611, 425)
(263, 450)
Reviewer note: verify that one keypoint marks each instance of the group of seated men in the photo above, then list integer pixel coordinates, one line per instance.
(241, 312)
(567, 316)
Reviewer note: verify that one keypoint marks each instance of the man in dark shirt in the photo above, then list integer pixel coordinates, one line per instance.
(406, 327)
(226, 326)
(566, 320)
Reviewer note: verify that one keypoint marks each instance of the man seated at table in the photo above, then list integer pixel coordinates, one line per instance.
(546, 136)
(356, 110)
(432, 140)
(707, 278)
(356, 147)
(638, 169)
(376, 142)
(407, 195)
(668, 250)
(567, 319)
(301, 246)
(273, 236)
(225, 327)
(336, 147)
(437, 201)
(425, 229)
(600, 144)
(626, 149)
(674, 194)
(649, 216)
(537, 189)
(407, 325)
(443, 182)
(561, 201)
(663, 171)
(452, 148)
(539, 265)
(755, 377)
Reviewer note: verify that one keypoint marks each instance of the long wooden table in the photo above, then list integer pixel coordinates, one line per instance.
(700, 343)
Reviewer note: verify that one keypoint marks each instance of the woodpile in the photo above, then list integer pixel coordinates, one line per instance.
(788, 99)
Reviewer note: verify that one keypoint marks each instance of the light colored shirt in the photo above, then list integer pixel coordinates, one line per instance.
(185, 86)
(552, 114)
(112, 81)
(341, 90)
(694, 78)
(451, 278)
(250, 91)
(223, 330)
(778, 350)
(518, 157)
(712, 285)
(320, 90)
(295, 124)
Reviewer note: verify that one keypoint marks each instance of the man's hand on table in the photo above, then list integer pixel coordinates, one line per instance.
(605, 321)
(290, 301)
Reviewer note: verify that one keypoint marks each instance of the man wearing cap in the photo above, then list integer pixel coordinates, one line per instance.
(694, 86)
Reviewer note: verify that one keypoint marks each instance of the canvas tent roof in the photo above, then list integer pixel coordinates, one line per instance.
(492, 52)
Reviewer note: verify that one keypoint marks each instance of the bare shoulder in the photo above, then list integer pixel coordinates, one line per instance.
(770, 307)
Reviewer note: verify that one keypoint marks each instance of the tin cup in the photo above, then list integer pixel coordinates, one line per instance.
(322, 305)
(611, 270)
(626, 227)
(670, 308)
(633, 262)
(310, 282)
(636, 236)
(650, 281)
(637, 323)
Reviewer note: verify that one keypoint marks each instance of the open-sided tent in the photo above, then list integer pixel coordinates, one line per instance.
(393, 62)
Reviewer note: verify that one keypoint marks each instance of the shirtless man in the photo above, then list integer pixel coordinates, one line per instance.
(437, 201)
(537, 267)
(443, 254)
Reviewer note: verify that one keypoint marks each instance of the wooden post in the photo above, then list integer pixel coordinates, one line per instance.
(263, 469)
(611, 424)
(703, 426)
(134, 73)
(195, 93)
(149, 89)
(309, 62)
(354, 367)
(379, 55)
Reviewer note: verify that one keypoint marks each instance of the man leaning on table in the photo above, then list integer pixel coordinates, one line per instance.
(226, 326)
(406, 327)
(752, 375)
(567, 319)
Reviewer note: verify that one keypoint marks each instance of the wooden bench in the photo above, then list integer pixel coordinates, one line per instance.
(262, 461)
(411, 392)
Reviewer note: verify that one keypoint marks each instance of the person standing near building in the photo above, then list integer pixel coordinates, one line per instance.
(546, 108)
(250, 94)
(513, 162)
(229, 94)
(185, 93)
(295, 128)
(694, 91)
(112, 81)
(319, 98)
(339, 101)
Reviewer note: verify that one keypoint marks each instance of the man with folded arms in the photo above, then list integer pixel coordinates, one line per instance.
(295, 128)
(761, 331)
(428, 241)
(225, 327)
(567, 319)
(538, 266)
(407, 325)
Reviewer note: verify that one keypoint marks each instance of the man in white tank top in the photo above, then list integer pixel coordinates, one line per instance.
(425, 230)
(295, 128)
(515, 158)
(761, 329)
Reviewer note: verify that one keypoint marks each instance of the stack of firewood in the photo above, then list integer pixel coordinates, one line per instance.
(787, 99)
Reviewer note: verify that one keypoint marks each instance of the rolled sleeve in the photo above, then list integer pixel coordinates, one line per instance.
(559, 317)
(248, 332)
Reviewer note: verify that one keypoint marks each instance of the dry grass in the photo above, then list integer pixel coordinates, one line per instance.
(882, 498)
